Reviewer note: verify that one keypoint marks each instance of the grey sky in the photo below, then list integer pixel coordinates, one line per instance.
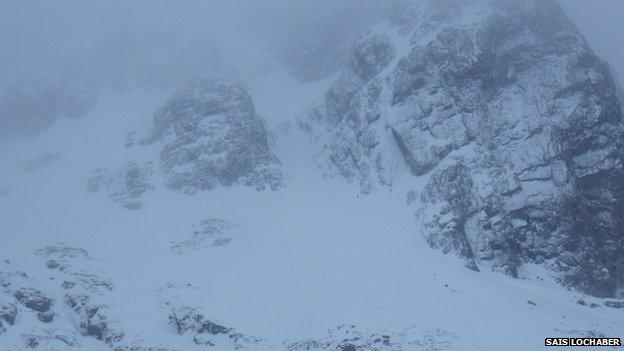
(32, 32)
(601, 23)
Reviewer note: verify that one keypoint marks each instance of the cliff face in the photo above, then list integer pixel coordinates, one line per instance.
(212, 136)
(512, 120)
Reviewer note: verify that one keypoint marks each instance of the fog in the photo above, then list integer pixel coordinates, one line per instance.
(38, 34)
(601, 23)
(162, 44)
(35, 35)
(305, 175)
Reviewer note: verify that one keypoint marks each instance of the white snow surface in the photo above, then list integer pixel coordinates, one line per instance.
(308, 257)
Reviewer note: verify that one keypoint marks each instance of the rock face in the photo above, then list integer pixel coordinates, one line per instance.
(512, 121)
(212, 136)
(355, 148)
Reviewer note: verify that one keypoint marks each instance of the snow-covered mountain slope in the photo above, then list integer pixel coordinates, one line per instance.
(99, 250)
(510, 119)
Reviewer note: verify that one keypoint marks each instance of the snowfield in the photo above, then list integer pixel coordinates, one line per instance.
(304, 259)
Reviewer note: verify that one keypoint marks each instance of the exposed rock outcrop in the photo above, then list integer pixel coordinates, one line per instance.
(213, 137)
(513, 120)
